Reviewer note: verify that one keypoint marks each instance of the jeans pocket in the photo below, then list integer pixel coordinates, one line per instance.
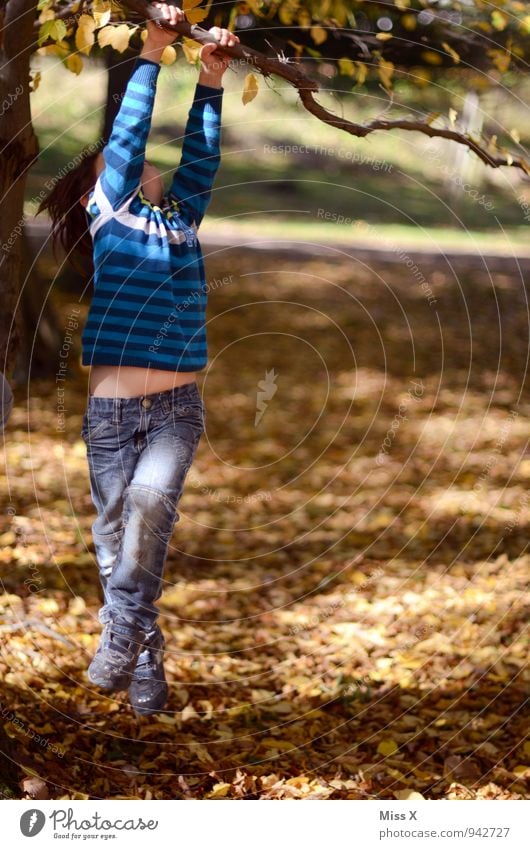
(187, 419)
(92, 426)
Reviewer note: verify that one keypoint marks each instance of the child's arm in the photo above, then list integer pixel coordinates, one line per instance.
(124, 152)
(193, 180)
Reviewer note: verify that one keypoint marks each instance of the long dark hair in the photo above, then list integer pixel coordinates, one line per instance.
(69, 218)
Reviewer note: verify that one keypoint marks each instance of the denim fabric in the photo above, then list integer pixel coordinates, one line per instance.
(139, 451)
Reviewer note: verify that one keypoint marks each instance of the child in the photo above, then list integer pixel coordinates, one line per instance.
(145, 340)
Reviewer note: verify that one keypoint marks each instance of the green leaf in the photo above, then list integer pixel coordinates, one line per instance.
(56, 30)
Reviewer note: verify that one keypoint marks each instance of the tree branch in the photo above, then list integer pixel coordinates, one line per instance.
(307, 87)
(267, 65)
(363, 130)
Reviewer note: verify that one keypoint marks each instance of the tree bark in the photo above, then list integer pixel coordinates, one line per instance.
(119, 68)
(18, 151)
(40, 332)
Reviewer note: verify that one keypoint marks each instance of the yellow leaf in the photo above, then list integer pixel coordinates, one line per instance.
(115, 36)
(35, 80)
(346, 67)
(384, 36)
(169, 55)
(387, 747)
(406, 795)
(84, 36)
(219, 791)
(421, 76)
(197, 16)
(299, 48)
(189, 712)
(452, 53)
(165, 719)
(409, 21)
(250, 88)
(255, 5)
(501, 59)
(46, 15)
(431, 57)
(101, 11)
(48, 605)
(77, 606)
(362, 73)
(521, 770)
(191, 49)
(74, 63)
(286, 13)
(386, 72)
(318, 34)
(201, 752)
(272, 743)
(193, 14)
(524, 23)
(499, 20)
(8, 538)
(304, 18)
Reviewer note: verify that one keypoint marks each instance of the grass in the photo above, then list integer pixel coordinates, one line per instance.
(383, 236)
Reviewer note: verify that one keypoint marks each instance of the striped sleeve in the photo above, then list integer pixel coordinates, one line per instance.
(124, 152)
(193, 180)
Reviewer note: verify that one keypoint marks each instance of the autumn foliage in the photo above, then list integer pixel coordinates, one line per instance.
(345, 594)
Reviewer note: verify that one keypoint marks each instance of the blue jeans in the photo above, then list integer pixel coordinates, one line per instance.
(139, 451)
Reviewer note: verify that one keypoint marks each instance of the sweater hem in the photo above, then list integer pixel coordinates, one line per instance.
(140, 362)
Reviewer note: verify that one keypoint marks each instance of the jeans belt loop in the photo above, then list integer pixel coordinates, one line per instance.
(116, 411)
(164, 402)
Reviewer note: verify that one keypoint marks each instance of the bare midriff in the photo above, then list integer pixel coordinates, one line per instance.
(131, 381)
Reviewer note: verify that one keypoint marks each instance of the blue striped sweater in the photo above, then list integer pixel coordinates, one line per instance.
(150, 292)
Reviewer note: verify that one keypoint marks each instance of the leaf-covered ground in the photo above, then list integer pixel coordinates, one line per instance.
(345, 599)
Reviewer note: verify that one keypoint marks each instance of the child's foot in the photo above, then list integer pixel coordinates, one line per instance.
(116, 657)
(148, 690)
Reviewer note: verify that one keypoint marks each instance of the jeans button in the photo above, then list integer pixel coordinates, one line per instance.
(146, 403)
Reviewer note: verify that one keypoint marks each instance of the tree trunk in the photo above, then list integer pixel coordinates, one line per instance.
(119, 67)
(18, 151)
(40, 337)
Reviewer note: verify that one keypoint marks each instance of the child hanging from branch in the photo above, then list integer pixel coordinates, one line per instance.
(145, 340)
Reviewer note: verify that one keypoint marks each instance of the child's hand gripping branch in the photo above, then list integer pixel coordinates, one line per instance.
(158, 38)
(212, 66)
